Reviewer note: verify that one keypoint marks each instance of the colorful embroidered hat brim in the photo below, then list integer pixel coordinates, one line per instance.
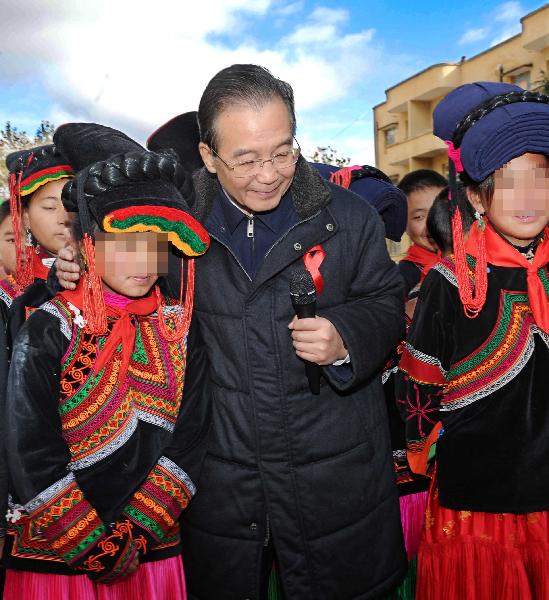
(31, 183)
(184, 232)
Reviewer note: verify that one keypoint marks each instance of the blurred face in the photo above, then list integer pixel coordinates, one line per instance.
(247, 133)
(419, 203)
(520, 206)
(46, 218)
(7, 246)
(130, 263)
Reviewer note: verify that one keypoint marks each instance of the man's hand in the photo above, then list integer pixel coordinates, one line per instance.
(317, 340)
(67, 268)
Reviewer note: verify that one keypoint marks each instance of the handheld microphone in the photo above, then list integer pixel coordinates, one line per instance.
(303, 295)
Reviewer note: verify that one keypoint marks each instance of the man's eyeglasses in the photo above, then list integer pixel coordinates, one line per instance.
(249, 168)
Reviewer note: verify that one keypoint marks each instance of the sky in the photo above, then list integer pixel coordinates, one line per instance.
(134, 64)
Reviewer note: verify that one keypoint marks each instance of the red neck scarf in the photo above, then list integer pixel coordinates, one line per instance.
(423, 258)
(39, 269)
(501, 253)
(124, 329)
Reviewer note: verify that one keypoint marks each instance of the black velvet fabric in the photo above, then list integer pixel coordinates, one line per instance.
(33, 160)
(492, 454)
(181, 134)
(86, 143)
(38, 454)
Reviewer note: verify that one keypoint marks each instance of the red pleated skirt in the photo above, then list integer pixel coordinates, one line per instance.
(158, 580)
(467, 555)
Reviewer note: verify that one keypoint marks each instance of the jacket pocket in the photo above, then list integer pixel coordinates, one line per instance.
(338, 491)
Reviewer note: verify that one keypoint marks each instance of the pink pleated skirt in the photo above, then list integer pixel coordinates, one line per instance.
(159, 580)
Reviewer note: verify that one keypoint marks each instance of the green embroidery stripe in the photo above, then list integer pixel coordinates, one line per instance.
(45, 178)
(495, 341)
(544, 279)
(145, 521)
(139, 354)
(75, 400)
(75, 348)
(87, 542)
(471, 260)
(184, 233)
(82, 395)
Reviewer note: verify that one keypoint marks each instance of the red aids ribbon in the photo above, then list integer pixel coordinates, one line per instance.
(313, 258)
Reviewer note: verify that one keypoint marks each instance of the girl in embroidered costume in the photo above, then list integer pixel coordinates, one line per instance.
(102, 449)
(36, 178)
(7, 241)
(474, 374)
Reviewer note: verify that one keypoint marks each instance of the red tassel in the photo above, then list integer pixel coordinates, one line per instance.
(472, 304)
(342, 177)
(24, 275)
(182, 320)
(94, 309)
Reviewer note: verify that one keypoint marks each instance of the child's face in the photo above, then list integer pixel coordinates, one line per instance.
(520, 206)
(7, 246)
(419, 203)
(46, 217)
(130, 263)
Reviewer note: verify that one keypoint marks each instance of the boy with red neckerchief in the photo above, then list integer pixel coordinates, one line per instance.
(421, 188)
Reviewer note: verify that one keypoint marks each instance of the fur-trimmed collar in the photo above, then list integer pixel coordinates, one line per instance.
(310, 192)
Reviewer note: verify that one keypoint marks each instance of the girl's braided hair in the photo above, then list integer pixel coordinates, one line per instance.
(123, 169)
(486, 186)
(489, 105)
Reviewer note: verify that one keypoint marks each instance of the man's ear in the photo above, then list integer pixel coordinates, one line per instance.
(207, 156)
(475, 200)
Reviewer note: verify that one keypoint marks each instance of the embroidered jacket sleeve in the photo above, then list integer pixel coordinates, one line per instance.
(155, 507)
(38, 457)
(371, 321)
(423, 367)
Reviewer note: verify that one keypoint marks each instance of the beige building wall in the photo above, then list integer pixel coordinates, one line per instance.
(404, 139)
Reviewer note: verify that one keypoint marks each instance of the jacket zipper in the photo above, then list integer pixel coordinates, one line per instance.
(232, 254)
(269, 250)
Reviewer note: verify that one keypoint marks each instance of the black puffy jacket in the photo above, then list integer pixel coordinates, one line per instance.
(315, 470)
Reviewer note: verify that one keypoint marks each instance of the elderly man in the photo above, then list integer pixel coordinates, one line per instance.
(290, 477)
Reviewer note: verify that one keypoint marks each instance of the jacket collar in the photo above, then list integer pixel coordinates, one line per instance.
(309, 191)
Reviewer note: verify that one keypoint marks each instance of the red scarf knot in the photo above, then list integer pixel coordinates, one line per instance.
(502, 254)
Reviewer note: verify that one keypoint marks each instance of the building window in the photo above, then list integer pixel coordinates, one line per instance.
(390, 135)
(523, 80)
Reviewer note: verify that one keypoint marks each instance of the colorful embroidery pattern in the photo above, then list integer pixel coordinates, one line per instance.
(62, 515)
(121, 546)
(498, 360)
(421, 367)
(99, 415)
(156, 506)
(8, 291)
